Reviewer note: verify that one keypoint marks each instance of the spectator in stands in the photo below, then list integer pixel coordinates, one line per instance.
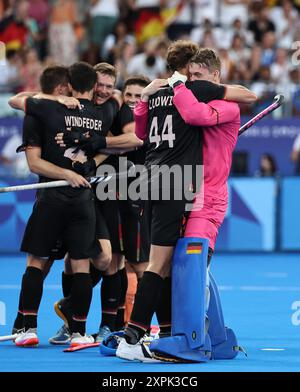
(232, 9)
(267, 56)
(239, 52)
(268, 167)
(207, 31)
(295, 155)
(148, 62)
(206, 10)
(39, 11)
(114, 41)
(14, 164)
(6, 8)
(124, 55)
(264, 87)
(183, 22)
(260, 23)
(13, 28)
(240, 29)
(288, 18)
(104, 15)
(62, 39)
(31, 71)
(9, 75)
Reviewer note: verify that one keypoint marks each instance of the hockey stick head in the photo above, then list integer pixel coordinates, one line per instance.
(279, 99)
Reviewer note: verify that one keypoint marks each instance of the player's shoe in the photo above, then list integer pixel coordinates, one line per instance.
(27, 338)
(135, 352)
(63, 310)
(102, 334)
(78, 340)
(63, 336)
(16, 331)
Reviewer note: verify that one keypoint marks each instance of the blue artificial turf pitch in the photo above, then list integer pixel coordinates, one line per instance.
(261, 302)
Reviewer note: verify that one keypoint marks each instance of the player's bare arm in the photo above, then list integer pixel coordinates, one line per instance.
(44, 168)
(18, 100)
(152, 88)
(69, 102)
(239, 94)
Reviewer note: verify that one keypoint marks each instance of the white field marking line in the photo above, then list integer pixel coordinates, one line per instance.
(275, 274)
(272, 349)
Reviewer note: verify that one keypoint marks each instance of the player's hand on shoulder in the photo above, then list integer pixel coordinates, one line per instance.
(176, 77)
(76, 180)
(69, 102)
(153, 87)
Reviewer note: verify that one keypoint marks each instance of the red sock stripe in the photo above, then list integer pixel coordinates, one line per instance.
(164, 325)
(113, 312)
(139, 325)
(79, 318)
(29, 313)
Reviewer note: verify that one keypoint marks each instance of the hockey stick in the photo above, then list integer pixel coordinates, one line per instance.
(279, 99)
(80, 347)
(5, 338)
(54, 184)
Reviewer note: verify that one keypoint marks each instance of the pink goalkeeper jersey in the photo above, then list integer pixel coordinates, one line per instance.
(220, 121)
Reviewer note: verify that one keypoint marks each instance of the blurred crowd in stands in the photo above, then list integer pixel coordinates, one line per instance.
(258, 41)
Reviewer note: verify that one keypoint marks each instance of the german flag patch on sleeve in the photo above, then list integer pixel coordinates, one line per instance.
(194, 248)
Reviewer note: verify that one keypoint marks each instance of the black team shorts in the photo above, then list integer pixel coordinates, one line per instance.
(74, 224)
(166, 220)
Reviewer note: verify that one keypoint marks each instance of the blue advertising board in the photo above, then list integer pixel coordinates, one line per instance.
(275, 137)
(249, 224)
(290, 213)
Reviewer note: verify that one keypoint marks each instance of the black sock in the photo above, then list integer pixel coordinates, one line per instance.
(96, 274)
(163, 310)
(66, 281)
(18, 324)
(121, 310)
(81, 297)
(110, 297)
(145, 304)
(32, 291)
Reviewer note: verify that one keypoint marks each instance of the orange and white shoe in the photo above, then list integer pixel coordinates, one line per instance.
(78, 340)
(27, 338)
